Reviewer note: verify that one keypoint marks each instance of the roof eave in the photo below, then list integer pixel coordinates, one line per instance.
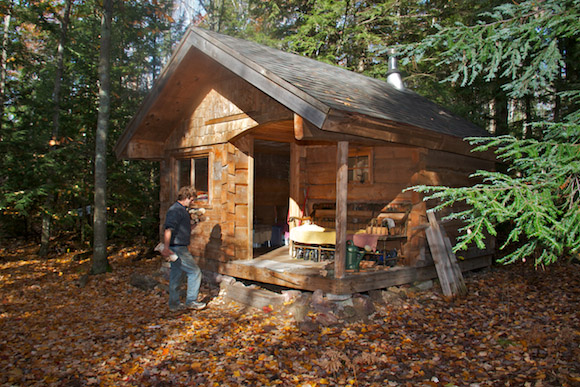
(396, 132)
(287, 94)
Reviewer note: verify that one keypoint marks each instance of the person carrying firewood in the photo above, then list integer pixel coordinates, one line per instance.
(176, 238)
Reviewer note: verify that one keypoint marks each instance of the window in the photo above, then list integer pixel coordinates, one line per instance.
(360, 167)
(194, 172)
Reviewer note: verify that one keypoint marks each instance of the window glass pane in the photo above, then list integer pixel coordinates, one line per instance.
(363, 161)
(359, 166)
(201, 174)
(364, 176)
(184, 173)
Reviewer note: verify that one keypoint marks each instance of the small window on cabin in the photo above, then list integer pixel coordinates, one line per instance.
(195, 172)
(360, 167)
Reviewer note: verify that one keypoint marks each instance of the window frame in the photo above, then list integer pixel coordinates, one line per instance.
(361, 152)
(179, 158)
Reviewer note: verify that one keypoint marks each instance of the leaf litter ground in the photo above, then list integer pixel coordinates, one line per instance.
(517, 327)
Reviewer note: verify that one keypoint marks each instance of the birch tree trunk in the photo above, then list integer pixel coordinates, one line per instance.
(100, 262)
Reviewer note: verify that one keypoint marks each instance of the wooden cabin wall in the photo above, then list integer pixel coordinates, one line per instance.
(452, 170)
(230, 108)
(225, 234)
(393, 170)
(395, 167)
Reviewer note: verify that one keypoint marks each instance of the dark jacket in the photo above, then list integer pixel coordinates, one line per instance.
(178, 221)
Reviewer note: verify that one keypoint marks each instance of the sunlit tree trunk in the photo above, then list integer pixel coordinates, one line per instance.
(49, 201)
(4, 59)
(100, 262)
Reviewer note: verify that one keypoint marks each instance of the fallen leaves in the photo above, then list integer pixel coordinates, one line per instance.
(516, 327)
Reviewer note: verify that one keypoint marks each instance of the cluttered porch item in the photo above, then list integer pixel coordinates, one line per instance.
(377, 243)
(312, 242)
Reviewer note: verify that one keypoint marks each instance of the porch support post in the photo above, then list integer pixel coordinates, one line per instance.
(293, 206)
(341, 208)
(250, 222)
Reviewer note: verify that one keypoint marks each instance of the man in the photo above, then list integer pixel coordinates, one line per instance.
(176, 238)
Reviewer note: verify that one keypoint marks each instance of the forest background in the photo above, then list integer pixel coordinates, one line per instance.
(509, 67)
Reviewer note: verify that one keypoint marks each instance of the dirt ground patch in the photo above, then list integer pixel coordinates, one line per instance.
(517, 326)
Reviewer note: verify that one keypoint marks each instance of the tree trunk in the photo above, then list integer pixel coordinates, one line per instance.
(3, 65)
(50, 198)
(100, 263)
(500, 113)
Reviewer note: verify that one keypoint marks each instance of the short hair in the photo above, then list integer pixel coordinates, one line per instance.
(186, 192)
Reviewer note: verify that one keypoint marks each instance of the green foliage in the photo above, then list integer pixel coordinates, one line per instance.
(26, 155)
(514, 41)
(532, 45)
(538, 199)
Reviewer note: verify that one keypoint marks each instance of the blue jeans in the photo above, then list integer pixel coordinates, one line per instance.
(183, 264)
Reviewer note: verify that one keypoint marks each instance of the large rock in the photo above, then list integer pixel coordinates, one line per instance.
(143, 282)
(251, 296)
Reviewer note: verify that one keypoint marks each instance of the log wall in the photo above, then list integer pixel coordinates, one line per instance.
(395, 167)
(451, 170)
(230, 108)
(225, 234)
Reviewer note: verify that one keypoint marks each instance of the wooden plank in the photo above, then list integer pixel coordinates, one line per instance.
(294, 198)
(451, 285)
(251, 188)
(241, 215)
(440, 160)
(370, 193)
(295, 160)
(440, 258)
(257, 298)
(229, 118)
(341, 208)
(461, 289)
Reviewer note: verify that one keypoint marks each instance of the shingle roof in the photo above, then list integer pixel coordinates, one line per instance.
(347, 91)
(329, 97)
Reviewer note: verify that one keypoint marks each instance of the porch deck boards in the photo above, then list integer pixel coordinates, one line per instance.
(277, 267)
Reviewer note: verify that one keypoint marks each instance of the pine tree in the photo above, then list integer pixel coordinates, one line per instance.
(533, 46)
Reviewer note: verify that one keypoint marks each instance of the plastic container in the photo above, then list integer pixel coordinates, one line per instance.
(353, 256)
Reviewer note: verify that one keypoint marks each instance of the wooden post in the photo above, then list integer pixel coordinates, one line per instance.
(250, 223)
(293, 206)
(341, 208)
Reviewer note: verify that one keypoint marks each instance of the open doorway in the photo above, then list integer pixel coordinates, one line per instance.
(271, 194)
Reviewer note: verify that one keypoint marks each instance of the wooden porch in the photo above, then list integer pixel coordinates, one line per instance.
(279, 268)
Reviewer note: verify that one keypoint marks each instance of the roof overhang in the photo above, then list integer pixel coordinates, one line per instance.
(201, 59)
(160, 109)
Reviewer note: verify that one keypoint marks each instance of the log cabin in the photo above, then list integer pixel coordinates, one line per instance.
(298, 162)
